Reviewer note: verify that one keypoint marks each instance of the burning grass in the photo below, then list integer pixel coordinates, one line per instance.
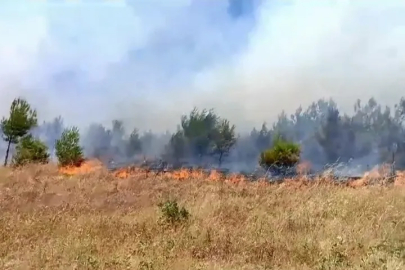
(95, 219)
(85, 167)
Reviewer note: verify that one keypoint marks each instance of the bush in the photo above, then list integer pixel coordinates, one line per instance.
(282, 156)
(30, 150)
(172, 213)
(68, 149)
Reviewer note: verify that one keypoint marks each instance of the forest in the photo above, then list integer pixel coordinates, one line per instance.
(371, 135)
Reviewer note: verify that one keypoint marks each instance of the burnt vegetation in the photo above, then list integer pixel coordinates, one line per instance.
(319, 134)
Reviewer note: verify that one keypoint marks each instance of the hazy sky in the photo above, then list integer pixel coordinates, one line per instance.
(148, 62)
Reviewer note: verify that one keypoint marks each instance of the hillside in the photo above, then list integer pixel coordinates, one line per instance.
(98, 221)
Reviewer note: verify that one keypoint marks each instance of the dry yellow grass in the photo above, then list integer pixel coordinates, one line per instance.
(97, 221)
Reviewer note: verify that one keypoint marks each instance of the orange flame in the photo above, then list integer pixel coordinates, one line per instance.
(87, 166)
(304, 167)
(130, 171)
(122, 173)
(180, 175)
(214, 176)
(400, 179)
(235, 179)
(184, 174)
(375, 175)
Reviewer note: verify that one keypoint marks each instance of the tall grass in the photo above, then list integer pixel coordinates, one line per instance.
(96, 221)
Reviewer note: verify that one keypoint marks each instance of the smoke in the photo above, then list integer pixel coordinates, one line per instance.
(148, 63)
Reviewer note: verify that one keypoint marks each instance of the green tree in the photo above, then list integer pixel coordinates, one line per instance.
(21, 120)
(118, 130)
(263, 137)
(30, 150)
(199, 129)
(176, 149)
(134, 145)
(117, 138)
(281, 157)
(224, 139)
(98, 141)
(68, 148)
(52, 131)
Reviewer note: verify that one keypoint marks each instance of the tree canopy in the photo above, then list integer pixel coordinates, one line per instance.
(20, 121)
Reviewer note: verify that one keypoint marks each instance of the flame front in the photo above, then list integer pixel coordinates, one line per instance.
(87, 166)
(214, 176)
(236, 179)
(377, 175)
(122, 173)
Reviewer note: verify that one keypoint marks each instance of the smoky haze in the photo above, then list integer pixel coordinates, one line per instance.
(149, 62)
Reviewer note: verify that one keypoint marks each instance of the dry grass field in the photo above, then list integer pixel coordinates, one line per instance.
(96, 220)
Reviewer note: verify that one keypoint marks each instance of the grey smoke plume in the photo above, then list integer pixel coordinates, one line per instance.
(148, 62)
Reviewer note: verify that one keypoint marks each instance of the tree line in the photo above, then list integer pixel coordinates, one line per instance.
(16, 130)
(320, 134)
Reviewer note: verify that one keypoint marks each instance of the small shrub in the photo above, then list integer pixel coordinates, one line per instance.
(172, 213)
(68, 149)
(30, 150)
(282, 156)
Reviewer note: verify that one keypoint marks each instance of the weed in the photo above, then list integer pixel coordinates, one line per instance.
(172, 213)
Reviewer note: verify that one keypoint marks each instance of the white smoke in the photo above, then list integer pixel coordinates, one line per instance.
(149, 62)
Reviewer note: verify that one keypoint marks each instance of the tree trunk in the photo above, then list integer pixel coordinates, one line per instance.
(7, 152)
(220, 159)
